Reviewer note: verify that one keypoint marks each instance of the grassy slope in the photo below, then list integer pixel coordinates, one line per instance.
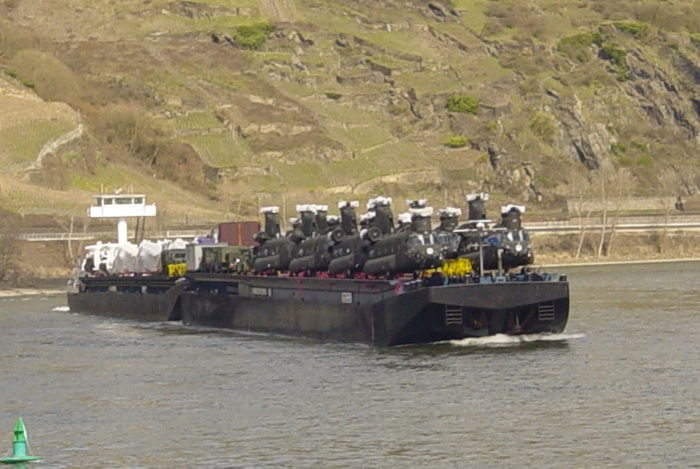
(386, 65)
(27, 125)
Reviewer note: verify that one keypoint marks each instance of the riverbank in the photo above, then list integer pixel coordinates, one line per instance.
(35, 287)
(594, 263)
(559, 249)
(13, 292)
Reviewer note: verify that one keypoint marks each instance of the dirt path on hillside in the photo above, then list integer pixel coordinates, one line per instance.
(51, 147)
(281, 11)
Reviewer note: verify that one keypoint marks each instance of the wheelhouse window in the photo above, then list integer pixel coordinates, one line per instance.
(415, 240)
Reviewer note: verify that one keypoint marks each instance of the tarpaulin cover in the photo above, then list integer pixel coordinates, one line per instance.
(125, 259)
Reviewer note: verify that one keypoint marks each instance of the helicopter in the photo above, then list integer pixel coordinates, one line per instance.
(488, 244)
(340, 246)
(318, 242)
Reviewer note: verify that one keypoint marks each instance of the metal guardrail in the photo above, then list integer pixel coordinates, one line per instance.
(622, 224)
(658, 220)
(554, 226)
(174, 234)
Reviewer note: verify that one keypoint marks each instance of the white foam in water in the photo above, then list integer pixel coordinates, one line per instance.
(503, 340)
(61, 308)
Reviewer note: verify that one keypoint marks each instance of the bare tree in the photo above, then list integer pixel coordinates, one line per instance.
(71, 256)
(579, 188)
(604, 206)
(623, 185)
(9, 249)
(669, 186)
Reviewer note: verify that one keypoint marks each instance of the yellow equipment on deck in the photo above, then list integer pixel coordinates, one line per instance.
(451, 268)
(176, 270)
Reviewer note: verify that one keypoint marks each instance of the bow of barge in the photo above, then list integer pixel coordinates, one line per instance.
(149, 299)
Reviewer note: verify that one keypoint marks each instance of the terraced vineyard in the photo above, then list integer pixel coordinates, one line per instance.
(360, 137)
(303, 174)
(398, 157)
(351, 171)
(195, 121)
(339, 173)
(395, 158)
(20, 144)
(340, 113)
(220, 149)
(22, 198)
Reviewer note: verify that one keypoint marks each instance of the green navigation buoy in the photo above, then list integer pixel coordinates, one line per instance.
(19, 446)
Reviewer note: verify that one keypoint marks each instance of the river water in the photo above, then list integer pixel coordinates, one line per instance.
(621, 388)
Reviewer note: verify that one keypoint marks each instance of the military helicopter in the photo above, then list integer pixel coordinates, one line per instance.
(318, 242)
(274, 251)
(308, 246)
(314, 240)
(408, 249)
(489, 245)
(449, 219)
(349, 254)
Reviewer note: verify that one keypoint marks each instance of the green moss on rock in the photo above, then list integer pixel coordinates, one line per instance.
(463, 103)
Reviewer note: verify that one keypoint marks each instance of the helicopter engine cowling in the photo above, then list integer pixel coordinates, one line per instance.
(401, 253)
(349, 255)
(273, 255)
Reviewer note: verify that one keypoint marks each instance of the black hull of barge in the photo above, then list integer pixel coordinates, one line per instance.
(148, 299)
(375, 312)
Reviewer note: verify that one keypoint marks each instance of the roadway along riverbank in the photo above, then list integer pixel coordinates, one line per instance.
(595, 263)
(624, 224)
(52, 260)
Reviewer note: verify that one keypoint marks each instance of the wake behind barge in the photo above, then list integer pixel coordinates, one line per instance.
(375, 312)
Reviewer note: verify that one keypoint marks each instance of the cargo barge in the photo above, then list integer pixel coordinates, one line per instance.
(375, 312)
(333, 280)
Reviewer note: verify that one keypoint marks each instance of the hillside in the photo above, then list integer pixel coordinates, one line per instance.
(214, 107)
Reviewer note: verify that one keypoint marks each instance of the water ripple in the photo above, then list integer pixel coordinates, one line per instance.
(618, 389)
